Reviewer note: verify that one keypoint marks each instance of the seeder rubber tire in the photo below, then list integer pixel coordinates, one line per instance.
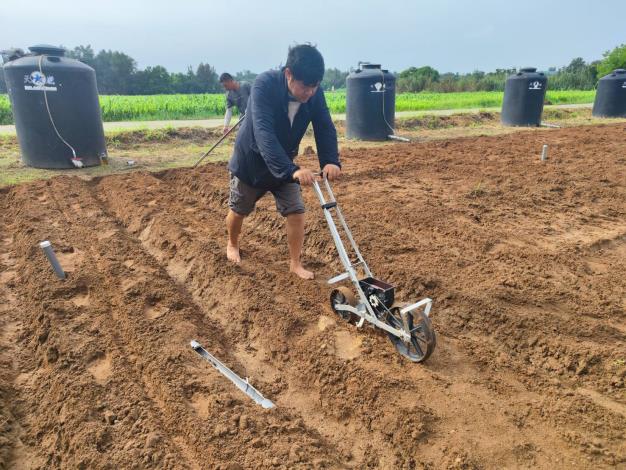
(345, 296)
(423, 339)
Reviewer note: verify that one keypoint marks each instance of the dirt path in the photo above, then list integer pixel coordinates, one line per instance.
(525, 261)
(219, 122)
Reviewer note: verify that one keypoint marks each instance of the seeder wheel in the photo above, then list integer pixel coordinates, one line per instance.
(342, 295)
(423, 338)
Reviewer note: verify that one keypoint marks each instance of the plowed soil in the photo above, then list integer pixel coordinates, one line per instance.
(525, 261)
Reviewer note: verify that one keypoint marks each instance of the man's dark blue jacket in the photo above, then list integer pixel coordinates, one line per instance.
(267, 143)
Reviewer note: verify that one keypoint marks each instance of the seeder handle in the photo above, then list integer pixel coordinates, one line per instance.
(317, 189)
(320, 194)
(343, 255)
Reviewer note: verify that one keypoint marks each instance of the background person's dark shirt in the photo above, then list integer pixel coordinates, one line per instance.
(239, 97)
(268, 142)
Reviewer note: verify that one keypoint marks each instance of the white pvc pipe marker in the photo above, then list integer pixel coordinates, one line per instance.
(544, 153)
(46, 246)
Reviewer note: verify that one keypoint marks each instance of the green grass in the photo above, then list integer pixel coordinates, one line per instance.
(204, 106)
(151, 149)
(5, 110)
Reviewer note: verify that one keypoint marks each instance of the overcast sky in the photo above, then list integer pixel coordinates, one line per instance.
(450, 35)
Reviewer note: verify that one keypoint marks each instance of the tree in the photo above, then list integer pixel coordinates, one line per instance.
(83, 53)
(577, 65)
(185, 82)
(246, 76)
(334, 79)
(114, 71)
(417, 79)
(615, 59)
(207, 79)
(448, 82)
(578, 75)
(152, 81)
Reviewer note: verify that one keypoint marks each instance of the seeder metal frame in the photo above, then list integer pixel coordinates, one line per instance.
(364, 308)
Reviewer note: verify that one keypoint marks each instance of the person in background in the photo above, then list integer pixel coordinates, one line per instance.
(237, 95)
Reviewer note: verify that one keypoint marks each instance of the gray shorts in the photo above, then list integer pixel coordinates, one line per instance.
(243, 197)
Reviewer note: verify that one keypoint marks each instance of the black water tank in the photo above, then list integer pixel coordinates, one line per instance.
(370, 103)
(524, 94)
(73, 107)
(611, 95)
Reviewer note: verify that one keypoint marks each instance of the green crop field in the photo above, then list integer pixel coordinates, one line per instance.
(203, 106)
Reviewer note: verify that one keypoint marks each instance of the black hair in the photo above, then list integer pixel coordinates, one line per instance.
(306, 64)
(226, 77)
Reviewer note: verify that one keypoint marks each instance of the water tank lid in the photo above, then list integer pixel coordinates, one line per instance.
(370, 66)
(47, 49)
(528, 69)
(619, 71)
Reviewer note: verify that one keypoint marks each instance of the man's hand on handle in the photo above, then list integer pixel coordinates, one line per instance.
(331, 172)
(304, 176)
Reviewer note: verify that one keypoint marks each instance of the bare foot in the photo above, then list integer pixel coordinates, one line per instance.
(232, 253)
(301, 272)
